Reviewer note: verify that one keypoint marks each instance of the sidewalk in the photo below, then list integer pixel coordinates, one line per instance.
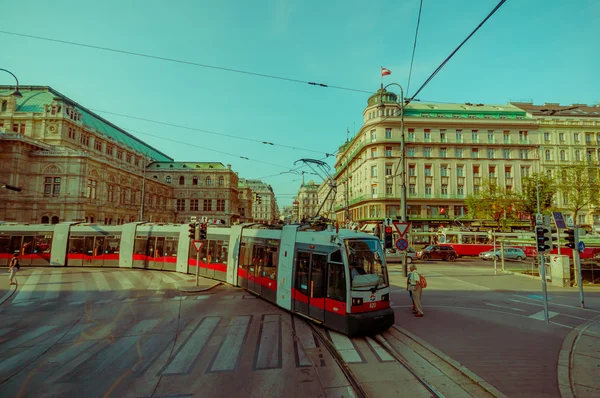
(579, 361)
(188, 286)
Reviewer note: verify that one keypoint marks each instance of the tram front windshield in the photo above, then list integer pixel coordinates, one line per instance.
(366, 265)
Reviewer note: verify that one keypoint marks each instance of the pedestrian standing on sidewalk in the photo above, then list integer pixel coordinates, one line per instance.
(410, 293)
(13, 267)
(414, 286)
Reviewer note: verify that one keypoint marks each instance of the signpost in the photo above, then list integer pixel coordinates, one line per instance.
(581, 247)
(570, 222)
(559, 220)
(539, 219)
(197, 245)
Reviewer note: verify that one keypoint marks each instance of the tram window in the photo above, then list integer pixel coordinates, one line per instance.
(28, 245)
(212, 252)
(302, 268)
(76, 245)
(113, 245)
(318, 274)
(4, 245)
(337, 282)
(336, 256)
(171, 248)
(270, 265)
(43, 244)
(140, 246)
(221, 251)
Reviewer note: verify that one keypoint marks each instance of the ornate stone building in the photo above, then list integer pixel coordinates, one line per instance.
(264, 205)
(308, 198)
(72, 164)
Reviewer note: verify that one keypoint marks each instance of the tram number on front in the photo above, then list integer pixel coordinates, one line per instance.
(372, 305)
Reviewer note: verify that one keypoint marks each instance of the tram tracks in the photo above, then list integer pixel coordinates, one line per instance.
(434, 372)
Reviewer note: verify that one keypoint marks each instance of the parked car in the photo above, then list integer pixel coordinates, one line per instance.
(510, 253)
(435, 252)
(395, 256)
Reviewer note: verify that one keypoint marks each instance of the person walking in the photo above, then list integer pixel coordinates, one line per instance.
(410, 294)
(414, 286)
(13, 267)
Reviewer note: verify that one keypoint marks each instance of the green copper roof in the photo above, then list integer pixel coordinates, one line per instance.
(36, 97)
(188, 165)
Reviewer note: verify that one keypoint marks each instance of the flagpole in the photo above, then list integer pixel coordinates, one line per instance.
(381, 72)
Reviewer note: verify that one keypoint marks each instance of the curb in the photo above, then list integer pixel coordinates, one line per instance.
(198, 289)
(469, 374)
(566, 384)
(9, 294)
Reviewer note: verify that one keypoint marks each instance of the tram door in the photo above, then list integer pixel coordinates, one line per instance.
(93, 254)
(255, 272)
(211, 259)
(310, 285)
(155, 248)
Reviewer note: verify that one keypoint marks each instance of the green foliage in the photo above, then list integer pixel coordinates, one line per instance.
(528, 194)
(579, 184)
(493, 202)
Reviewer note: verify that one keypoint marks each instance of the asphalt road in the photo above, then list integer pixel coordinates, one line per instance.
(493, 323)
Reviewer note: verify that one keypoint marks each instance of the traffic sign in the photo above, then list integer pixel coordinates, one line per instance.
(570, 223)
(197, 244)
(402, 227)
(388, 221)
(581, 247)
(559, 220)
(402, 244)
(539, 219)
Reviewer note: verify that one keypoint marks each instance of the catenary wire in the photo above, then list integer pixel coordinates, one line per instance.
(180, 61)
(435, 72)
(414, 47)
(209, 132)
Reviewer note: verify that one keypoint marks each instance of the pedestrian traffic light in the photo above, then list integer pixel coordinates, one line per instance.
(388, 238)
(192, 231)
(542, 236)
(571, 239)
(203, 231)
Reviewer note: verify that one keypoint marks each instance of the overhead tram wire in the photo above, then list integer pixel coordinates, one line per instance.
(179, 61)
(414, 47)
(210, 132)
(435, 72)
(209, 149)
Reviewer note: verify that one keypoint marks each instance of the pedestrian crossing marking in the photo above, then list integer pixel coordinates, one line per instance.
(28, 287)
(379, 351)
(229, 353)
(203, 297)
(101, 281)
(345, 347)
(268, 354)
(53, 286)
(540, 315)
(186, 355)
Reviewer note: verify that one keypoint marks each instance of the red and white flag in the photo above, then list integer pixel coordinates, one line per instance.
(385, 71)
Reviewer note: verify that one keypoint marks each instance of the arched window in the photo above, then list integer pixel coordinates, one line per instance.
(182, 180)
(195, 181)
(208, 181)
(221, 180)
(45, 220)
(547, 154)
(55, 220)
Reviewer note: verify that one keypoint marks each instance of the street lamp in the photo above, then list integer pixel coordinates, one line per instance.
(402, 148)
(16, 94)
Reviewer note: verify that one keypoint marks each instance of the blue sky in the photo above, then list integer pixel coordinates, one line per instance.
(543, 50)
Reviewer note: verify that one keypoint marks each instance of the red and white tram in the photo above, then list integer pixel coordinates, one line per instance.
(335, 278)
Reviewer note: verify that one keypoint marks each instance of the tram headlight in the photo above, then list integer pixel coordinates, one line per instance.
(357, 301)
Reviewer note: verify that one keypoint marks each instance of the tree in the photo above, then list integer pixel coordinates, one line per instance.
(579, 184)
(493, 202)
(528, 194)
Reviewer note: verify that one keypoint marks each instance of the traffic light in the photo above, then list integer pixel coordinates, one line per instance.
(542, 235)
(258, 199)
(203, 231)
(388, 238)
(571, 239)
(192, 231)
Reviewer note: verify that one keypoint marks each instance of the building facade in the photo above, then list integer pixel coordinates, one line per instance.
(308, 200)
(245, 202)
(264, 205)
(567, 134)
(200, 190)
(450, 150)
(73, 165)
(326, 200)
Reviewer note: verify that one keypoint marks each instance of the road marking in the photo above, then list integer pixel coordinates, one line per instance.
(508, 308)
(179, 298)
(188, 352)
(560, 305)
(53, 286)
(553, 304)
(167, 278)
(76, 302)
(28, 287)
(129, 277)
(540, 315)
(379, 351)
(307, 341)
(144, 326)
(27, 337)
(155, 299)
(203, 297)
(229, 353)
(268, 355)
(101, 281)
(345, 347)
(23, 304)
(102, 301)
(122, 281)
(129, 300)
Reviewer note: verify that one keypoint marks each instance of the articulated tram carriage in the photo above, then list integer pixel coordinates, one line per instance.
(335, 278)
